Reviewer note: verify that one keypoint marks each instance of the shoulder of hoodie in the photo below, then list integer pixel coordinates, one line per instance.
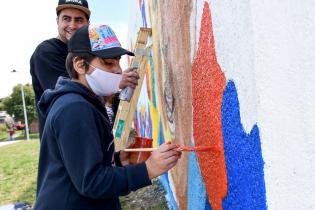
(70, 107)
(73, 104)
(71, 100)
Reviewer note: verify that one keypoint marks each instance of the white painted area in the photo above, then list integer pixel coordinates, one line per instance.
(136, 22)
(233, 33)
(195, 23)
(284, 45)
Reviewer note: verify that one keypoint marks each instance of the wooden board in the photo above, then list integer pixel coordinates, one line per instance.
(126, 110)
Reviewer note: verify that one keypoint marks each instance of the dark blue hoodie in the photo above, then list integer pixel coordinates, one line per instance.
(76, 156)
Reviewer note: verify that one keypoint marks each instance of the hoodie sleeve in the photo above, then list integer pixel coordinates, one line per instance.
(78, 134)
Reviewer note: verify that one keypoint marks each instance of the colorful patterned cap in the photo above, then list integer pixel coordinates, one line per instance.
(100, 41)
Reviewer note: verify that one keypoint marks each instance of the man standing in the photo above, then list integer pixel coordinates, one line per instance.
(48, 60)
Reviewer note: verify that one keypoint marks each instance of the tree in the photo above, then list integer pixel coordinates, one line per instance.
(1, 104)
(14, 105)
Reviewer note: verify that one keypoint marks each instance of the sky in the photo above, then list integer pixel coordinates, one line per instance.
(25, 24)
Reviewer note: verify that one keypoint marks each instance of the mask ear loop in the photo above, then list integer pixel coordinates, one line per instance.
(90, 65)
(75, 59)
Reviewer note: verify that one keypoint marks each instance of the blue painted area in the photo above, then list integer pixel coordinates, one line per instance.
(243, 157)
(148, 125)
(164, 178)
(152, 80)
(196, 194)
(161, 139)
(169, 193)
(208, 206)
(140, 124)
(143, 13)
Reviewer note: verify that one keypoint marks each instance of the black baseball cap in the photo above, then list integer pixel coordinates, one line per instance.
(100, 41)
(75, 4)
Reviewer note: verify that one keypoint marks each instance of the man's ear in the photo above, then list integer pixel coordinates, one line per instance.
(79, 65)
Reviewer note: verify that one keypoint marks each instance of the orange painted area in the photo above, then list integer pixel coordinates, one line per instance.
(149, 82)
(208, 83)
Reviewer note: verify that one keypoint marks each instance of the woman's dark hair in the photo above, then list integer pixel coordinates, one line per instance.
(87, 57)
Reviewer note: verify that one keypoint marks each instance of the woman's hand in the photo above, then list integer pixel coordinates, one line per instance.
(162, 160)
(125, 156)
(130, 78)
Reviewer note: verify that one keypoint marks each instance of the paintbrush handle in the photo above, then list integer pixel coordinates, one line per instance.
(180, 149)
(140, 150)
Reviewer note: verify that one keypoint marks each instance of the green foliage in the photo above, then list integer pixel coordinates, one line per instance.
(3, 128)
(1, 104)
(3, 133)
(14, 104)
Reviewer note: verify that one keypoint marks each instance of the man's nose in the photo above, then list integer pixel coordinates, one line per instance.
(73, 24)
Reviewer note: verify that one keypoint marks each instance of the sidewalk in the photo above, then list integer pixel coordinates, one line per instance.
(8, 142)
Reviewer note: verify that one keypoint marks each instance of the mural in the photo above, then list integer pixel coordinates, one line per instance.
(187, 98)
(208, 86)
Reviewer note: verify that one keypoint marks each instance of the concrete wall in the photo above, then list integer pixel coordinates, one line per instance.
(238, 76)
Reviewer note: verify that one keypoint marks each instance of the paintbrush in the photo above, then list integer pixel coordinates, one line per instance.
(180, 148)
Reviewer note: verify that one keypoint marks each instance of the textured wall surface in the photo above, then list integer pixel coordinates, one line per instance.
(285, 78)
(238, 76)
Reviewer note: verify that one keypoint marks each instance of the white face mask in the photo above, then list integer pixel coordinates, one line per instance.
(103, 83)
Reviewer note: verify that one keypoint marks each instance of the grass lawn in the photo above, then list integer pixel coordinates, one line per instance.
(18, 172)
(32, 136)
(20, 135)
(3, 135)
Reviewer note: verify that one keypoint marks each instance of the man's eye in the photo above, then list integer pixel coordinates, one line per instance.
(66, 19)
(108, 63)
(79, 20)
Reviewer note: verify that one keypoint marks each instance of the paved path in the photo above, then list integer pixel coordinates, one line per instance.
(8, 142)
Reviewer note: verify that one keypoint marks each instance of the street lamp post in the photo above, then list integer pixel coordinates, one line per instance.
(24, 109)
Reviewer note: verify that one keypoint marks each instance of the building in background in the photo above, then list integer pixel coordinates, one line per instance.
(4, 116)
